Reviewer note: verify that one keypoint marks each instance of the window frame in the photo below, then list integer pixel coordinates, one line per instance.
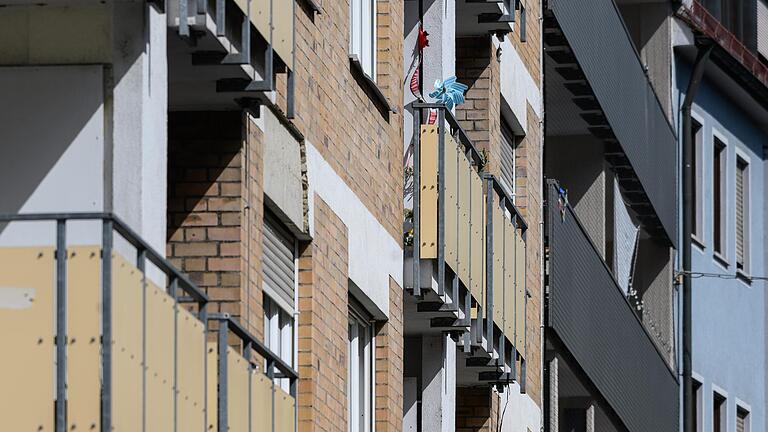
(719, 410)
(741, 407)
(698, 418)
(719, 197)
(740, 159)
(361, 393)
(697, 132)
(358, 36)
(279, 334)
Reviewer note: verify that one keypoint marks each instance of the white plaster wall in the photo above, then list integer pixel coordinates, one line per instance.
(52, 152)
(519, 412)
(518, 87)
(282, 167)
(374, 255)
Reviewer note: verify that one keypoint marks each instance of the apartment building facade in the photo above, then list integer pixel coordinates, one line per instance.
(472, 308)
(611, 225)
(726, 43)
(214, 207)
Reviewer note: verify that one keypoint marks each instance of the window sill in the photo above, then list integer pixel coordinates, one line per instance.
(698, 242)
(370, 85)
(721, 259)
(743, 276)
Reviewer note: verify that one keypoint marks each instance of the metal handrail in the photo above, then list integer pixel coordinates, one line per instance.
(469, 146)
(508, 202)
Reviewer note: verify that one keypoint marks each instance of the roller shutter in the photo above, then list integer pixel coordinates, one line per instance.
(278, 263)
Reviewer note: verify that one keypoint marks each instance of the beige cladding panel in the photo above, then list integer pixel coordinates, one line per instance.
(191, 351)
(520, 295)
(84, 338)
(428, 192)
(160, 315)
(212, 383)
(509, 279)
(282, 35)
(477, 212)
(465, 173)
(451, 203)
(498, 263)
(259, 14)
(261, 402)
(126, 346)
(285, 405)
(27, 301)
(238, 377)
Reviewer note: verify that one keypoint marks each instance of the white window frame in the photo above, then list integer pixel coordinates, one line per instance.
(741, 405)
(361, 371)
(279, 334)
(717, 391)
(363, 35)
(699, 233)
(741, 156)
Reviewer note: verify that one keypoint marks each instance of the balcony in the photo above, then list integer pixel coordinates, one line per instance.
(161, 369)
(597, 86)
(228, 50)
(469, 253)
(592, 319)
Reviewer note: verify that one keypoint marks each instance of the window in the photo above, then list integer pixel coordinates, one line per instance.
(742, 214)
(718, 201)
(698, 223)
(279, 263)
(509, 144)
(362, 34)
(278, 333)
(522, 23)
(762, 30)
(742, 420)
(360, 373)
(696, 406)
(719, 413)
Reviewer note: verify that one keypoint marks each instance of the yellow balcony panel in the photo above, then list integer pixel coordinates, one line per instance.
(282, 35)
(451, 202)
(191, 372)
(465, 210)
(508, 301)
(26, 302)
(159, 342)
(520, 296)
(213, 382)
(238, 377)
(84, 338)
(477, 236)
(428, 192)
(285, 409)
(260, 10)
(126, 346)
(498, 264)
(261, 401)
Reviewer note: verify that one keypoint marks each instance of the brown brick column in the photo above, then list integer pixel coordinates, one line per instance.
(389, 365)
(323, 325)
(480, 115)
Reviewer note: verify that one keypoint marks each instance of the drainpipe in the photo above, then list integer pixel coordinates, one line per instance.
(693, 86)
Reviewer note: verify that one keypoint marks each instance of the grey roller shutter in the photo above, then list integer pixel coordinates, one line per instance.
(740, 204)
(508, 161)
(278, 263)
(762, 27)
(741, 420)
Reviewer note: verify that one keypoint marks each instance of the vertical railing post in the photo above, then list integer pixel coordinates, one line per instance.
(415, 200)
(106, 324)
(441, 207)
(223, 384)
(247, 347)
(61, 325)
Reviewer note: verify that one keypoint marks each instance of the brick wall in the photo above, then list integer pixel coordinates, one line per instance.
(205, 203)
(336, 113)
(323, 321)
(389, 365)
(476, 409)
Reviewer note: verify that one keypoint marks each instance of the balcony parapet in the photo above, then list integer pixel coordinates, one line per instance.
(127, 352)
(466, 224)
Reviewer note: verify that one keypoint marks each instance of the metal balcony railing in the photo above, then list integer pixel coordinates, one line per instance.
(464, 221)
(91, 334)
(590, 315)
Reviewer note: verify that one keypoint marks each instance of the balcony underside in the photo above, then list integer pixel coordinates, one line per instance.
(596, 86)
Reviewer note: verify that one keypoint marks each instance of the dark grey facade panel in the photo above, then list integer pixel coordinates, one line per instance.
(595, 32)
(595, 322)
